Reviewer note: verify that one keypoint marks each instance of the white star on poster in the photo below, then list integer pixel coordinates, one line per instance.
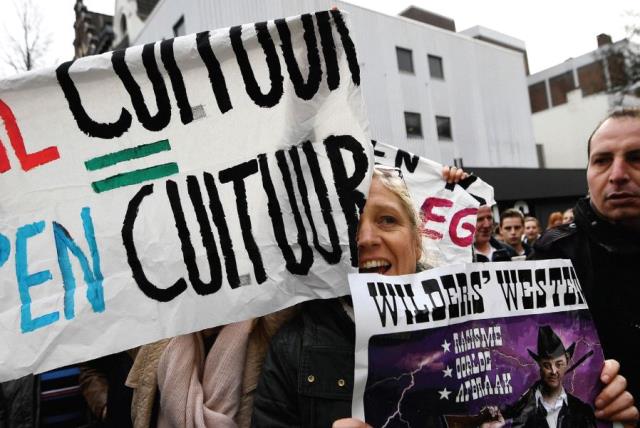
(444, 394)
(447, 372)
(446, 345)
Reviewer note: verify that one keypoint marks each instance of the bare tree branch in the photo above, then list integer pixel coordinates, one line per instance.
(26, 47)
(622, 60)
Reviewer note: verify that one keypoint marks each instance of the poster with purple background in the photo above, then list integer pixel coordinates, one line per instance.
(495, 344)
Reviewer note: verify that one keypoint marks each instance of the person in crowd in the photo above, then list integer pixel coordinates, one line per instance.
(485, 247)
(546, 403)
(567, 216)
(532, 230)
(102, 382)
(46, 400)
(603, 242)
(307, 377)
(497, 233)
(555, 219)
(202, 379)
(512, 230)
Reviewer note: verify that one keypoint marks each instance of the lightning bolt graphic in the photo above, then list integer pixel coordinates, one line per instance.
(516, 359)
(589, 345)
(425, 361)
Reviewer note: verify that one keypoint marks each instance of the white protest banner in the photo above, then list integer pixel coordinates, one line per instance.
(463, 344)
(171, 187)
(448, 211)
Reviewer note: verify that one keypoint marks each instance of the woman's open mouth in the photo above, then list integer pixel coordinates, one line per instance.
(375, 266)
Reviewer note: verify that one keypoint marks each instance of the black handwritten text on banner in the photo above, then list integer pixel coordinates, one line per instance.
(175, 186)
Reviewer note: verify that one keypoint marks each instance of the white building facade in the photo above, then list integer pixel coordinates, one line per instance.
(568, 101)
(129, 20)
(430, 91)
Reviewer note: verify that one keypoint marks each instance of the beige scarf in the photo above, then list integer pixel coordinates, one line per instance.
(199, 392)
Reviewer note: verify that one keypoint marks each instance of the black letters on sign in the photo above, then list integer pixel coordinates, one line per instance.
(430, 286)
(351, 200)
(179, 91)
(349, 47)
(146, 286)
(328, 50)
(188, 253)
(306, 91)
(272, 97)
(219, 219)
(85, 123)
(237, 174)
(163, 116)
(410, 162)
(378, 153)
(333, 256)
(306, 258)
(216, 77)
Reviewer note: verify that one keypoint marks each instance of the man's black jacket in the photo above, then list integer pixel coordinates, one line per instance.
(527, 413)
(606, 258)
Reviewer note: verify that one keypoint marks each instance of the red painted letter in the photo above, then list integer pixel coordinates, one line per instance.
(27, 160)
(428, 215)
(471, 227)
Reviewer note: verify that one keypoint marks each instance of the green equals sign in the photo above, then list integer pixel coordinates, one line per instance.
(132, 177)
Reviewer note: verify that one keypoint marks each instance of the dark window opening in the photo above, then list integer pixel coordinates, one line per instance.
(538, 97)
(443, 125)
(559, 86)
(413, 124)
(591, 78)
(435, 67)
(405, 59)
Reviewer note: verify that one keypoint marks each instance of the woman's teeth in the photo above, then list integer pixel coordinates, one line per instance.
(374, 266)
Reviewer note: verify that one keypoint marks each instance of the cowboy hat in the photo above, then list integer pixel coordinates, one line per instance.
(550, 345)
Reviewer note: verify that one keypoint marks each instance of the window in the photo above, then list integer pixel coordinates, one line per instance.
(413, 124)
(405, 60)
(559, 86)
(435, 67)
(178, 27)
(443, 125)
(591, 78)
(538, 96)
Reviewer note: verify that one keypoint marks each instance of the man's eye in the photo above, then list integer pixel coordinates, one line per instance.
(599, 161)
(633, 157)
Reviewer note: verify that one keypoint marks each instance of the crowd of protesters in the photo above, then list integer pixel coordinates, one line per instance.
(256, 372)
(515, 233)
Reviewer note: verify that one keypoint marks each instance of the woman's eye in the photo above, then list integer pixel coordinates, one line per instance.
(387, 219)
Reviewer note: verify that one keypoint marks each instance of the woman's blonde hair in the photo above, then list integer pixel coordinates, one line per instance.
(391, 178)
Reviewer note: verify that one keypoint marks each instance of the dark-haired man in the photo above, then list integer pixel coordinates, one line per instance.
(512, 229)
(486, 248)
(546, 404)
(603, 241)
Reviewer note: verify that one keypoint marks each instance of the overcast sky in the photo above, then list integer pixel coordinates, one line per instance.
(553, 30)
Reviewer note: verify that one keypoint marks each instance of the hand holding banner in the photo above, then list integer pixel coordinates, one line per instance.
(468, 344)
(448, 211)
